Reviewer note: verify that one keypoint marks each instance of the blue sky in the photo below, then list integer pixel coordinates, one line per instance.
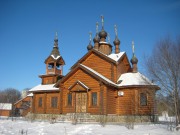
(27, 30)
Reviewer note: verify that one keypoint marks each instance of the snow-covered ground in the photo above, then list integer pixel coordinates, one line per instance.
(9, 127)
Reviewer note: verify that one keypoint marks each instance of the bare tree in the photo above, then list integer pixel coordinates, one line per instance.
(164, 67)
(9, 95)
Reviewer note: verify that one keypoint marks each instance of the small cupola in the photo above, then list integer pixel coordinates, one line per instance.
(134, 60)
(89, 47)
(116, 41)
(96, 38)
(104, 46)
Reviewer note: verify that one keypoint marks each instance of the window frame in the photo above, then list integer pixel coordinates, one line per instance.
(40, 102)
(69, 99)
(94, 99)
(54, 102)
(143, 99)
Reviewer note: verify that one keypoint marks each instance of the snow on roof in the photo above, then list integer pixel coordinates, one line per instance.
(83, 84)
(5, 106)
(55, 57)
(116, 57)
(79, 82)
(30, 95)
(41, 87)
(127, 79)
(102, 42)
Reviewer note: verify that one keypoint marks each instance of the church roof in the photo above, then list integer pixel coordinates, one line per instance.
(55, 56)
(5, 106)
(30, 95)
(125, 80)
(99, 75)
(114, 58)
(81, 83)
(47, 87)
(117, 56)
(133, 79)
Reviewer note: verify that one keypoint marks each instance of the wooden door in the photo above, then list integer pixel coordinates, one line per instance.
(81, 102)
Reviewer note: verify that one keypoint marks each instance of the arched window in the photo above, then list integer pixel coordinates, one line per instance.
(143, 99)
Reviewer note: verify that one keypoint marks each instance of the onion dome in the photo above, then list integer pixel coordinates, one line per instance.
(116, 41)
(96, 39)
(102, 34)
(134, 60)
(89, 47)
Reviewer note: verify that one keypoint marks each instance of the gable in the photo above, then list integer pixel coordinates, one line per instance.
(123, 66)
(79, 79)
(58, 59)
(97, 53)
(78, 86)
(111, 66)
(86, 75)
(99, 64)
(49, 59)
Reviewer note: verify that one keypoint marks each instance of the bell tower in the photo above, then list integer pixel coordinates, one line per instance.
(54, 65)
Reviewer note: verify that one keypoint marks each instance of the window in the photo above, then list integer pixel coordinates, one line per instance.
(54, 102)
(143, 99)
(94, 99)
(50, 65)
(40, 102)
(69, 99)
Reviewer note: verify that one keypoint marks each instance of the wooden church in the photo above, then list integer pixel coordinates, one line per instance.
(102, 82)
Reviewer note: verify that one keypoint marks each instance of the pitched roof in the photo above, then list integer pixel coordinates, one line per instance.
(5, 106)
(125, 80)
(47, 87)
(92, 72)
(79, 82)
(114, 58)
(30, 95)
(129, 79)
(55, 57)
(101, 77)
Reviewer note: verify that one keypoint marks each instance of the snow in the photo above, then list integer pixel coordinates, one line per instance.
(15, 127)
(116, 57)
(83, 84)
(127, 79)
(102, 42)
(30, 95)
(55, 57)
(46, 87)
(5, 106)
